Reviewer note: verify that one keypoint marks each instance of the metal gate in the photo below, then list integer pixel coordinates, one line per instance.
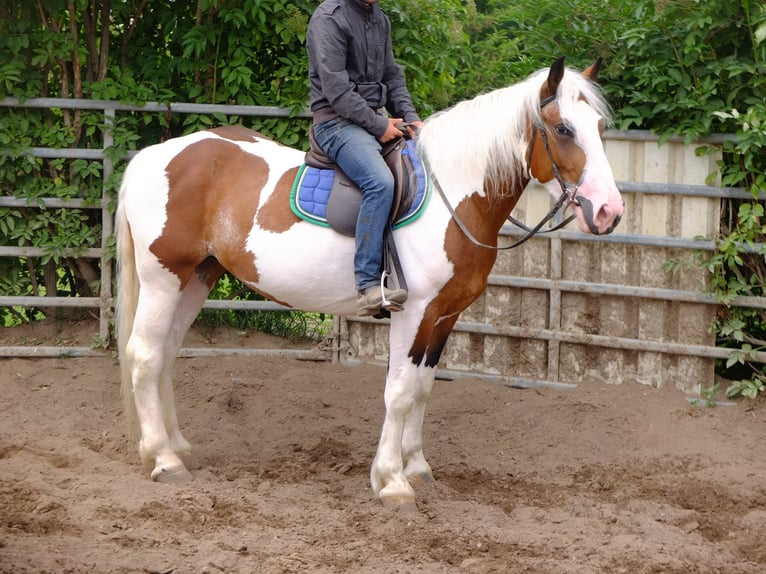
(568, 308)
(561, 309)
(104, 303)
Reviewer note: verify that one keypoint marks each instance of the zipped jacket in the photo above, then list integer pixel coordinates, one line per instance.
(352, 68)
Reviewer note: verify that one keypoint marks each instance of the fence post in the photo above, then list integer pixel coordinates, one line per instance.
(107, 227)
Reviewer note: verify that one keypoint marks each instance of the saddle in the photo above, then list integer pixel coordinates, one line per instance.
(346, 197)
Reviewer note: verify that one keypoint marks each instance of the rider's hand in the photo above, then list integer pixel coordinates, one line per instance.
(413, 128)
(392, 132)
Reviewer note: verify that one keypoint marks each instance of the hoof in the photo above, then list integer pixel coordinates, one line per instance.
(172, 475)
(421, 479)
(190, 461)
(402, 504)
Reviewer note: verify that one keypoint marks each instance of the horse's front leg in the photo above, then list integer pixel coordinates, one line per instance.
(416, 468)
(410, 378)
(387, 476)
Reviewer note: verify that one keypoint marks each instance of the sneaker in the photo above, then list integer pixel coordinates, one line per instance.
(370, 302)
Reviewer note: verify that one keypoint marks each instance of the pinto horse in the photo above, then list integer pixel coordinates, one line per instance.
(196, 206)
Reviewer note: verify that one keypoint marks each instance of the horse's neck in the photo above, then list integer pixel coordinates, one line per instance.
(497, 202)
(466, 171)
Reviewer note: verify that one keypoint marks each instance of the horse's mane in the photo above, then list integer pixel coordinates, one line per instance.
(485, 138)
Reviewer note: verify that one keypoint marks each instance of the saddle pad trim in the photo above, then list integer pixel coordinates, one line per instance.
(416, 211)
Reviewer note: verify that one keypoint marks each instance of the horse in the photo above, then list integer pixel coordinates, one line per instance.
(194, 207)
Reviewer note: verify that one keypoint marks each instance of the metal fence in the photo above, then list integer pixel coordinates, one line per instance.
(104, 302)
(568, 308)
(561, 309)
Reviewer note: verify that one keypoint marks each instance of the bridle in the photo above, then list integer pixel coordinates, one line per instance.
(568, 191)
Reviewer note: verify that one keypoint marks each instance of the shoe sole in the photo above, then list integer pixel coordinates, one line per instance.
(372, 311)
(394, 304)
(397, 297)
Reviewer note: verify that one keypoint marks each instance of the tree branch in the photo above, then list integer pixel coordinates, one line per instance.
(103, 60)
(130, 29)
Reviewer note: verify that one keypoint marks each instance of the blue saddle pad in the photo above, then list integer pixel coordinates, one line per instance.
(312, 186)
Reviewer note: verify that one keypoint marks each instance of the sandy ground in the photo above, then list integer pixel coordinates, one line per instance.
(597, 479)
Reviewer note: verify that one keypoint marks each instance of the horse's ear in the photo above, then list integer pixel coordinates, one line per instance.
(591, 72)
(554, 77)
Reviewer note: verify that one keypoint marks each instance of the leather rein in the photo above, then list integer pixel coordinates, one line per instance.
(567, 198)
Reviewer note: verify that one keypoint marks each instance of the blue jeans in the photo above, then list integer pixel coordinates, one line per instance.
(357, 152)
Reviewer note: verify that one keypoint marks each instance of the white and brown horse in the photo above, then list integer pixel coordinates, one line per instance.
(199, 205)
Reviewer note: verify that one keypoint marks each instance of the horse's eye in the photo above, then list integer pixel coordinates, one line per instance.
(563, 130)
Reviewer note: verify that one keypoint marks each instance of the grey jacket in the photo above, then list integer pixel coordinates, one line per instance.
(352, 68)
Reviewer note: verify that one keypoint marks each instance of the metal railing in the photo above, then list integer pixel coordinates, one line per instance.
(104, 302)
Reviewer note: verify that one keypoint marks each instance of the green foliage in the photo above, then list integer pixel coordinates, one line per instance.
(709, 394)
(692, 67)
(747, 387)
(208, 51)
(695, 58)
(510, 40)
(431, 44)
(55, 231)
(704, 63)
(696, 67)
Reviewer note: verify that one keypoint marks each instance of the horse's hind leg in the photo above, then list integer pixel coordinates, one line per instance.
(149, 360)
(192, 299)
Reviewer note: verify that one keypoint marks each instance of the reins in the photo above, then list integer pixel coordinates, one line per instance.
(567, 197)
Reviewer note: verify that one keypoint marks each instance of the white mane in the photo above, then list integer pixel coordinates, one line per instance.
(485, 138)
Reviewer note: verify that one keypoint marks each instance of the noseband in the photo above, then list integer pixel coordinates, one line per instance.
(568, 191)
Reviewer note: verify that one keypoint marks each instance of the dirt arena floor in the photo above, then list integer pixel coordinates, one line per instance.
(596, 479)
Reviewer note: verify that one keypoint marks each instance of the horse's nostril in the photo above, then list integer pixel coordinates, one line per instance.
(605, 220)
(614, 224)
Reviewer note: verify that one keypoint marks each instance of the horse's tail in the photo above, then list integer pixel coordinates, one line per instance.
(127, 302)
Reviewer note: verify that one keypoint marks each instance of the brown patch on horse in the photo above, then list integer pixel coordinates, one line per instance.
(210, 271)
(471, 263)
(237, 133)
(213, 192)
(569, 157)
(276, 215)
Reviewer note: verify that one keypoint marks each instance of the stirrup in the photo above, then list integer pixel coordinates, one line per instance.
(387, 303)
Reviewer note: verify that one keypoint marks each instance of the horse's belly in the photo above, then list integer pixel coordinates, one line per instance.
(307, 267)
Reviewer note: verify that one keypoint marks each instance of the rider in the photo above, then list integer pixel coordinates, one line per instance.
(353, 74)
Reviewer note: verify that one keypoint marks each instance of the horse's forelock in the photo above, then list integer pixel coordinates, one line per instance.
(577, 87)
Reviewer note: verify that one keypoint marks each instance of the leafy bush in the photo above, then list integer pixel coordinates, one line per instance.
(690, 67)
(207, 51)
(697, 67)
